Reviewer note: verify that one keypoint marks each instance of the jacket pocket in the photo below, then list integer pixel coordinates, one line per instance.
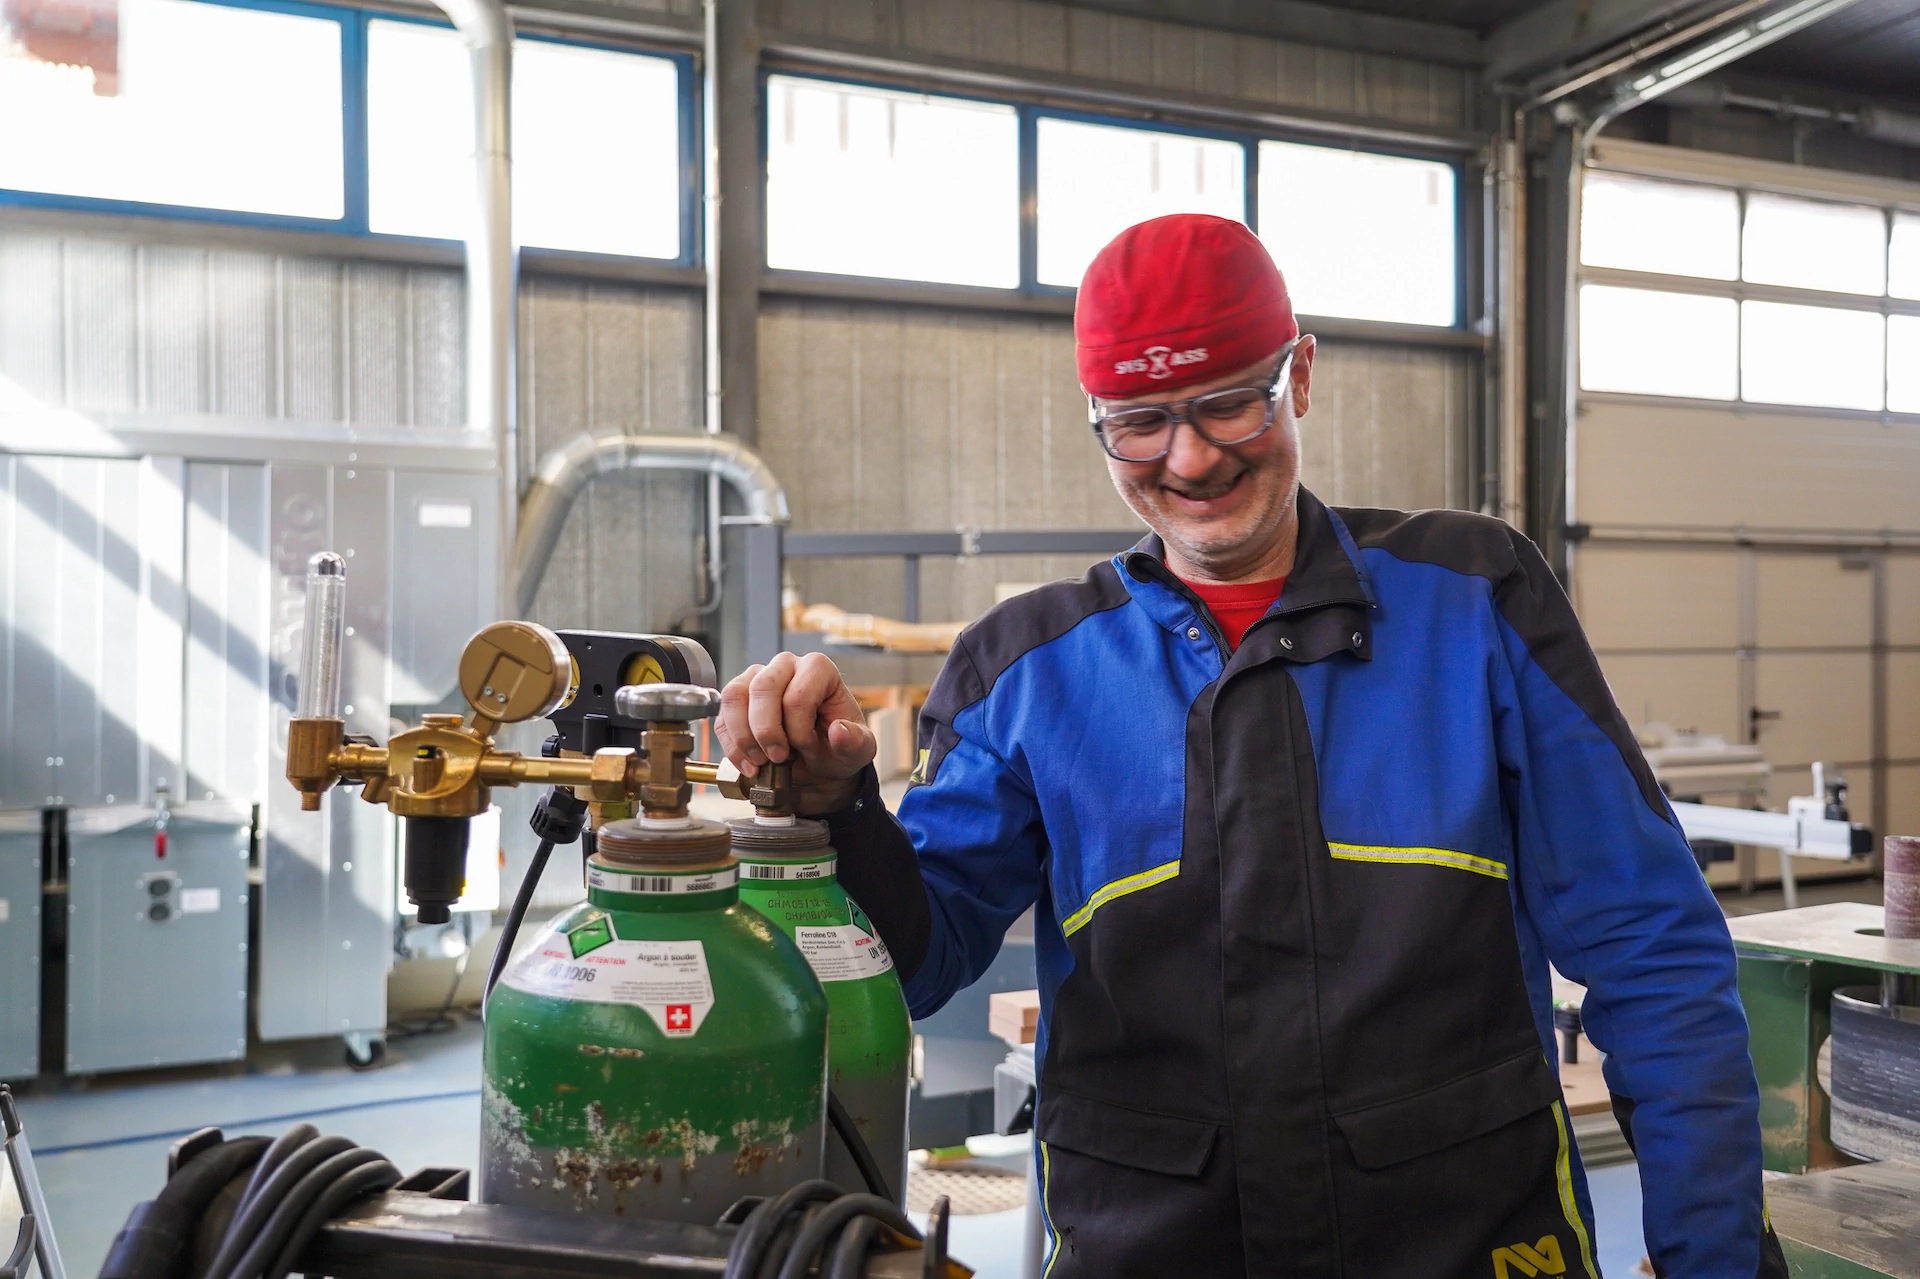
(1394, 1131)
(1117, 1134)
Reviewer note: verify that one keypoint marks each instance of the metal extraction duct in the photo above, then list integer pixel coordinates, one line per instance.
(565, 471)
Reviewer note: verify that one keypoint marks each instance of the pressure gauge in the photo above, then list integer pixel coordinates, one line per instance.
(512, 671)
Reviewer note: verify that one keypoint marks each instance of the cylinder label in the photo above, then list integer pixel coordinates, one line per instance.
(787, 872)
(619, 881)
(667, 978)
(846, 952)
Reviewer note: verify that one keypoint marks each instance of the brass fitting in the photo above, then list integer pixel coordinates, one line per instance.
(612, 767)
(771, 791)
(666, 790)
(311, 744)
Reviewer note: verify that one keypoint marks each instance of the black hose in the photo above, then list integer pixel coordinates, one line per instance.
(849, 1134)
(298, 1182)
(815, 1234)
(782, 1236)
(518, 914)
(283, 1145)
(159, 1233)
(254, 1214)
(379, 1175)
(849, 1260)
(291, 1208)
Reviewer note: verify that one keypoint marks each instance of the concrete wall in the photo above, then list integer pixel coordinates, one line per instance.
(882, 417)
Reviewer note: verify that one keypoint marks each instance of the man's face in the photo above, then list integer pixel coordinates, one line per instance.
(1221, 510)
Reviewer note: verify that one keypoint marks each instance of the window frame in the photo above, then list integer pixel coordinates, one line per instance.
(354, 124)
(1246, 139)
(1741, 291)
(353, 217)
(1030, 111)
(686, 94)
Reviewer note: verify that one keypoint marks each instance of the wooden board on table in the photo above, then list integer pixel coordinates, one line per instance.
(1014, 1015)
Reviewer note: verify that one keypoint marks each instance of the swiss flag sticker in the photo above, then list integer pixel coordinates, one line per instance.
(680, 1018)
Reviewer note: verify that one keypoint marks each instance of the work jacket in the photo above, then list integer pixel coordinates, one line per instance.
(1294, 909)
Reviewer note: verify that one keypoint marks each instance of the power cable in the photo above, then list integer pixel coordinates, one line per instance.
(849, 1134)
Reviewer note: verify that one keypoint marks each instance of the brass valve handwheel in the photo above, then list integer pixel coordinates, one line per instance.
(513, 671)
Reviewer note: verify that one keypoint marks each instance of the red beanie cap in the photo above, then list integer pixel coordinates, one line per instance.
(1177, 300)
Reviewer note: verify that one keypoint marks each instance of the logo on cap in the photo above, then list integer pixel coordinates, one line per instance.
(1160, 361)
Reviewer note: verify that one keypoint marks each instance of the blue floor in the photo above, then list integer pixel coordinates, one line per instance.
(103, 1149)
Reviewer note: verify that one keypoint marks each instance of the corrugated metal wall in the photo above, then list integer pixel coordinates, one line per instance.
(110, 325)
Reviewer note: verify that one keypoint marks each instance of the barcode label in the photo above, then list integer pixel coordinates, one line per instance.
(704, 881)
(788, 871)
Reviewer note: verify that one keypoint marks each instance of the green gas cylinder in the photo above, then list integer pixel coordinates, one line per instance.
(787, 873)
(660, 1050)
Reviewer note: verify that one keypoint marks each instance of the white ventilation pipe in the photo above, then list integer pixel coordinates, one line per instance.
(493, 268)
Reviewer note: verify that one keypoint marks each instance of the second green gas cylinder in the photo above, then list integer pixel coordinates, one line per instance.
(788, 873)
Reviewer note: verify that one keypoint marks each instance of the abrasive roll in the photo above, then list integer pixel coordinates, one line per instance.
(1876, 1076)
(1900, 862)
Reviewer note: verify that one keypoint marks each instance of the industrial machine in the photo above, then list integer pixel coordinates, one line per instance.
(1691, 766)
(1832, 995)
(655, 1088)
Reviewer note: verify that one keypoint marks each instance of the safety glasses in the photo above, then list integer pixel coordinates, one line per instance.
(1221, 418)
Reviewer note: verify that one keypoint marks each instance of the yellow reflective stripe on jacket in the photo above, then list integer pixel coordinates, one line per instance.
(1046, 1211)
(1118, 888)
(1563, 1169)
(1426, 856)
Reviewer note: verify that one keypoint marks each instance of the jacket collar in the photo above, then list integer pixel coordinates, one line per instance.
(1324, 608)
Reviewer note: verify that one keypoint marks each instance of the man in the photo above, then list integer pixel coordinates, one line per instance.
(1305, 801)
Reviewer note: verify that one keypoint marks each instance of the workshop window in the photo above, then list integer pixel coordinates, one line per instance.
(174, 102)
(1096, 180)
(1817, 356)
(1903, 363)
(611, 188)
(1671, 228)
(1754, 326)
(1903, 257)
(1655, 343)
(1814, 244)
(1360, 235)
(901, 186)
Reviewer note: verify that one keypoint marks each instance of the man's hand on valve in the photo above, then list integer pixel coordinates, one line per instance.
(799, 709)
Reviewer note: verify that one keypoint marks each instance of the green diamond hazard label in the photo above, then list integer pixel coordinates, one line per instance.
(592, 935)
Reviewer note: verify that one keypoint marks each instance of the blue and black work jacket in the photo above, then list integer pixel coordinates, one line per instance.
(1294, 909)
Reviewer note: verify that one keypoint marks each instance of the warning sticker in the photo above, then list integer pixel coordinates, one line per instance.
(846, 952)
(667, 978)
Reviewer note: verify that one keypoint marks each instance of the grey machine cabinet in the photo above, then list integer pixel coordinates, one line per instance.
(19, 943)
(157, 944)
(419, 549)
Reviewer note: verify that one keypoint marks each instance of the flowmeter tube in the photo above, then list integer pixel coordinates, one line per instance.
(325, 617)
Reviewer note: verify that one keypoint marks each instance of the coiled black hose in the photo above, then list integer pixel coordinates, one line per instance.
(297, 1183)
(783, 1237)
